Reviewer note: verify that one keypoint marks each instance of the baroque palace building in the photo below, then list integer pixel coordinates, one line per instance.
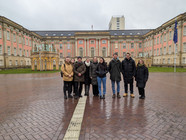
(20, 47)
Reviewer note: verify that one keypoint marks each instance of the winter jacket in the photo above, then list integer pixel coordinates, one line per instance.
(128, 70)
(142, 75)
(79, 67)
(93, 74)
(67, 69)
(115, 70)
(101, 70)
(87, 75)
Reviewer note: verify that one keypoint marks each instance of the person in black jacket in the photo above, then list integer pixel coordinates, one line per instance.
(141, 78)
(87, 77)
(115, 74)
(128, 71)
(93, 76)
(101, 76)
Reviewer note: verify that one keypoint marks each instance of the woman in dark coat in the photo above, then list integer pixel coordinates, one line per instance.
(93, 76)
(101, 76)
(87, 77)
(141, 78)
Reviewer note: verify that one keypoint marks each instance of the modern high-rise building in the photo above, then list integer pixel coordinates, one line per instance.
(20, 47)
(117, 23)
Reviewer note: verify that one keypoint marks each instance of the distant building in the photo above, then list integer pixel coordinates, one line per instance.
(117, 23)
(19, 47)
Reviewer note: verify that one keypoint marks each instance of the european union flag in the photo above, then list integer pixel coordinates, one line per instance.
(175, 38)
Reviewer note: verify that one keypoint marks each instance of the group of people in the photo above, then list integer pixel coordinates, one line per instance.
(79, 73)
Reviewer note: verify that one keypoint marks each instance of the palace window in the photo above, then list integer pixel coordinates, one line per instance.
(170, 50)
(92, 52)
(154, 41)
(15, 51)
(20, 40)
(1, 51)
(61, 55)
(14, 36)
(184, 31)
(170, 35)
(160, 51)
(80, 41)
(20, 52)
(68, 46)
(1, 62)
(21, 62)
(8, 50)
(157, 51)
(16, 62)
(132, 45)
(140, 46)
(27, 52)
(184, 60)
(27, 41)
(8, 35)
(81, 52)
(157, 40)
(10, 62)
(164, 50)
(164, 37)
(104, 52)
(124, 54)
(69, 54)
(103, 41)
(124, 45)
(184, 47)
(61, 47)
(168, 61)
(92, 42)
(24, 52)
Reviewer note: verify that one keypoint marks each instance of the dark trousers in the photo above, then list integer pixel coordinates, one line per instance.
(67, 87)
(95, 90)
(78, 88)
(73, 87)
(87, 88)
(141, 91)
(126, 87)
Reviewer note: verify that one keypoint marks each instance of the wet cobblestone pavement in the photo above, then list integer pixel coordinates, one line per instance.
(32, 107)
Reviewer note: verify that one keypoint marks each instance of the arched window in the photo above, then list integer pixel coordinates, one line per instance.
(104, 52)
(81, 52)
(92, 52)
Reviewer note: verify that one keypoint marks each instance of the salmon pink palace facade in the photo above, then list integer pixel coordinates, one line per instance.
(18, 45)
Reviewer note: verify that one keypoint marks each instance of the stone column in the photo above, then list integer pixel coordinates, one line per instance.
(88, 50)
(76, 50)
(96, 49)
(100, 54)
(85, 46)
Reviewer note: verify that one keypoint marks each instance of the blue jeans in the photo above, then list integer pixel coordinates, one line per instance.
(103, 80)
(113, 86)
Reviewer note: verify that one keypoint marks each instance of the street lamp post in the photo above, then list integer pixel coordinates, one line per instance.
(40, 57)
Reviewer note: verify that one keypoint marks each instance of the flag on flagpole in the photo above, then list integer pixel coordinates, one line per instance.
(175, 38)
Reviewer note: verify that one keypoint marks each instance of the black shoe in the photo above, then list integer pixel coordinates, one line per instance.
(85, 94)
(118, 96)
(76, 97)
(142, 97)
(80, 96)
(70, 96)
(103, 97)
(100, 97)
(113, 96)
(65, 97)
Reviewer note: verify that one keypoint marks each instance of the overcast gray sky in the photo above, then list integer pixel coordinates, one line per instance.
(81, 14)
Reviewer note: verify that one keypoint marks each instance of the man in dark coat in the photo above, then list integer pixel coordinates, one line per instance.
(93, 76)
(128, 71)
(115, 74)
(79, 71)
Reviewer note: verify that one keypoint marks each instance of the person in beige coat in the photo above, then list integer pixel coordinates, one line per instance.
(67, 70)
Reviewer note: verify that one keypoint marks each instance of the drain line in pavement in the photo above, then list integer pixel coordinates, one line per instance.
(74, 128)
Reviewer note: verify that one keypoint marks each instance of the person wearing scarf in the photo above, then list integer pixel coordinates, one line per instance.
(141, 78)
(87, 77)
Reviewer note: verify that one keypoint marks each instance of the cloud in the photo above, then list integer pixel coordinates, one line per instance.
(81, 14)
